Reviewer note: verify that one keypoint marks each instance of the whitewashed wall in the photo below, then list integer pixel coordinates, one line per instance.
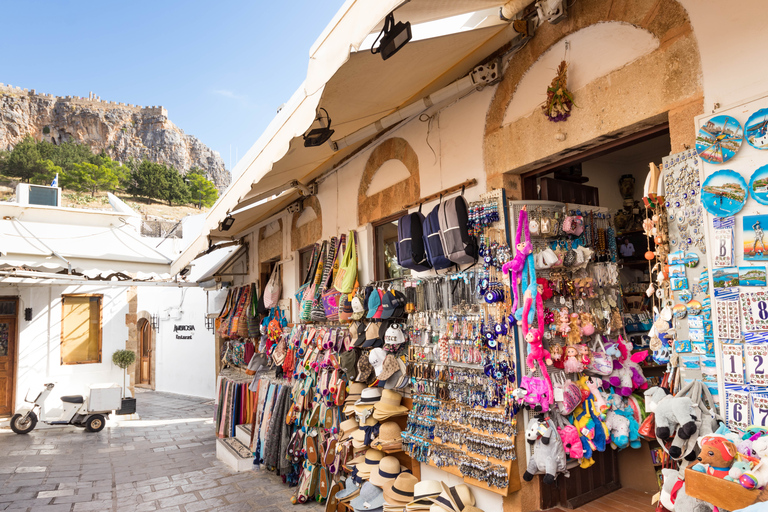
(182, 366)
(39, 341)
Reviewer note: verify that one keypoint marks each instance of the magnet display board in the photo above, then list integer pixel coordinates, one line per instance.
(749, 257)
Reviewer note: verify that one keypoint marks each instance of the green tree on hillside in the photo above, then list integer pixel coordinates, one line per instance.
(201, 189)
(172, 187)
(88, 177)
(44, 172)
(21, 161)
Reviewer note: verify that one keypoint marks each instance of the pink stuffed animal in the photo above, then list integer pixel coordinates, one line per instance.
(571, 441)
(536, 351)
(523, 248)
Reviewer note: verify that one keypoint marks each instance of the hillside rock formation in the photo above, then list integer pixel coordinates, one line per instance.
(121, 130)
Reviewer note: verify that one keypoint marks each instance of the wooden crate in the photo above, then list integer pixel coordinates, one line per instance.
(721, 493)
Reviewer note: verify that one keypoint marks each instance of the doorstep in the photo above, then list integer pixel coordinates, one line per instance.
(234, 454)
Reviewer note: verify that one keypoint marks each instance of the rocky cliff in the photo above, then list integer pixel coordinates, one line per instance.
(121, 130)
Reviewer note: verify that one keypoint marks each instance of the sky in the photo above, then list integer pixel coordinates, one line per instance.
(221, 68)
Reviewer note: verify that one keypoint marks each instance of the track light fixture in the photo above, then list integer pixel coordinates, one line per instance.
(393, 37)
(319, 136)
(227, 223)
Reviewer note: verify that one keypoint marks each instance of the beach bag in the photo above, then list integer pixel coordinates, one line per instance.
(242, 323)
(459, 246)
(318, 310)
(344, 281)
(433, 240)
(220, 320)
(253, 314)
(273, 288)
(330, 295)
(308, 302)
(600, 363)
(411, 252)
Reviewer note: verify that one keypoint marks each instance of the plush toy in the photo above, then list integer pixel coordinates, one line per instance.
(627, 376)
(571, 441)
(594, 433)
(574, 331)
(738, 469)
(548, 454)
(593, 384)
(545, 289)
(675, 499)
(617, 404)
(536, 351)
(717, 455)
(670, 414)
(535, 393)
(619, 427)
(530, 288)
(760, 471)
(523, 248)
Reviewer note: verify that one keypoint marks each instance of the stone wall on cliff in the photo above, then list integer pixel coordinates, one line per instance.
(121, 130)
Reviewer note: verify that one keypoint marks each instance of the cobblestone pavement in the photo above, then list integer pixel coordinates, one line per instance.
(164, 461)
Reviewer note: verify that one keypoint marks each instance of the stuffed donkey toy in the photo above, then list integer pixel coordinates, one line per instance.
(548, 454)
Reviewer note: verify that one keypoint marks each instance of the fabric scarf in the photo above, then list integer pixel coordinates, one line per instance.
(371, 433)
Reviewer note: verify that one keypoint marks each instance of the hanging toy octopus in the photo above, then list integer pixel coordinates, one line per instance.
(523, 249)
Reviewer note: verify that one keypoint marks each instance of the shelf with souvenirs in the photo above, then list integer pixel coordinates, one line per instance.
(584, 384)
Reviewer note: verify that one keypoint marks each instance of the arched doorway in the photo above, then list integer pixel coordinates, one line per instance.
(145, 352)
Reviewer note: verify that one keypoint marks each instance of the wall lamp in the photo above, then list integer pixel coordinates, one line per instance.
(227, 223)
(319, 136)
(155, 322)
(393, 37)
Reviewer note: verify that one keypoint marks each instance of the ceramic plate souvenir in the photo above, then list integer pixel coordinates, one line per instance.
(691, 259)
(724, 193)
(679, 311)
(719, 139)
(756, 130)
(758, 184)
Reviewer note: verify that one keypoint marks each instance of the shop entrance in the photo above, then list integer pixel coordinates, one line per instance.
(8, 316)
(145, 349)
(610, 176)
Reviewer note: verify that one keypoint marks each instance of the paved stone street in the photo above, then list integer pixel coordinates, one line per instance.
(164, 461)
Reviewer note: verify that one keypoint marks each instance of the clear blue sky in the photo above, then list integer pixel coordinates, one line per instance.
(220, 68)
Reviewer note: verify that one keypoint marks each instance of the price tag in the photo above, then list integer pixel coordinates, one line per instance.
(733, 364)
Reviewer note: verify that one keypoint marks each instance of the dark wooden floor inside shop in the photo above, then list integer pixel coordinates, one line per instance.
(623, 500)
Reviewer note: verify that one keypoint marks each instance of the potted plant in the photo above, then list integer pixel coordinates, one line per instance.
(123, 359)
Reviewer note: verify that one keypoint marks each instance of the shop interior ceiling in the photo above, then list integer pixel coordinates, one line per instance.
(363, 90)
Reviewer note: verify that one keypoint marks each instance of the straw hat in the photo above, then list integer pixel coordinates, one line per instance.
(369, 397)
(370, 498)
(389, 468)
(422, 494)
(453, 499)
(347, 427)
(389, 432)
(388, 405)
(370, 462)
(358, 439)
(400, 490)
(355, 389)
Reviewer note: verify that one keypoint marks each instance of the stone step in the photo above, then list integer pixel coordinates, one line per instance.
(243, 433)
(234, 454)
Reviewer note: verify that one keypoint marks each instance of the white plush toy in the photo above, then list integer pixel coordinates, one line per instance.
(760, 472)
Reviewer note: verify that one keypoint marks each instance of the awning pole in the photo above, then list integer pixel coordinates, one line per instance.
(54, 253)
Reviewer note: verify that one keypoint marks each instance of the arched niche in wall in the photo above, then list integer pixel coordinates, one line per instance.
(271, 241)
(307, 226)
(388, 196)
(634, 65)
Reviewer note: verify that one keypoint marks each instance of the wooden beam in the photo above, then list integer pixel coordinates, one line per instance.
(444, 192)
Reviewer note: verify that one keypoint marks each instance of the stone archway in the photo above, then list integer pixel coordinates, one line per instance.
(310, 232)
(394, 197)
(662, 86)
(144, 319)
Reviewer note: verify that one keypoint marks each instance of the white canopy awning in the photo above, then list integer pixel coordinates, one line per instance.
(88, 242)
(357, 88)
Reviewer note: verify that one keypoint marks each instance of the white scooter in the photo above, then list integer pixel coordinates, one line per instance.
(74, 412)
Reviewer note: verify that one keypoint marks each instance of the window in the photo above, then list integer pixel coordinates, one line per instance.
(80, 329)
(385, 255)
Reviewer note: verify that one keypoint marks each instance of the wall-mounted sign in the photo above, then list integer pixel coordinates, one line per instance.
(182, 330)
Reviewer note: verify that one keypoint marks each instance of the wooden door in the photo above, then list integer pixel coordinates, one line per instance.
(145, 345)
(584, 485)
(7, 355)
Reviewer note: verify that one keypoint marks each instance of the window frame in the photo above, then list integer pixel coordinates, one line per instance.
(303, 271)
(101, 328)
(375, 225)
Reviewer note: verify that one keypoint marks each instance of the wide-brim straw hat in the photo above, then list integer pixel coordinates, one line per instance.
(423, 493)
(358, 439)
(347, 427)
(400, 490)
(370, 462)
(350, 490)
(389, 432)
(389, 403)
(454, 499)
(370, 498)
(388, 470)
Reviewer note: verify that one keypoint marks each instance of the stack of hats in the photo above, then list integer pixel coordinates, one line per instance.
(399, 493)
(355, 392)
(386, 472)
(364, 407)
(347, 428)
(370, 499)
(367, 463)
(423, 493)
(389, 438)
(388, 405)
(454, 499)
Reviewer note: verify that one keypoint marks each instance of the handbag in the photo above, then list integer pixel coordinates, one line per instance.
(347, 275)
(601, 363)
(253, 314)
(318, 310)
(647, 429)
(573, 225)
(330, 295)
(273, 288)
(279, 352)
(242, 324)
(567, 394)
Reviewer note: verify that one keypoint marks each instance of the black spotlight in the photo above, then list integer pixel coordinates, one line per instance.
(319, 136)
(227, 223)
(393, 37)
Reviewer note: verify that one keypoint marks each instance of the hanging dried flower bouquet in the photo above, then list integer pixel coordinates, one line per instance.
(559, 99)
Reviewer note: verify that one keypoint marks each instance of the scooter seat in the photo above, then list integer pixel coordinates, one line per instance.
(74, 399)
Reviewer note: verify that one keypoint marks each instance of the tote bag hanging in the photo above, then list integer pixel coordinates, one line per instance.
(318, 310)
(253, 314)
(330, 295)
(347, 275)
(273, 288)
(242, 323)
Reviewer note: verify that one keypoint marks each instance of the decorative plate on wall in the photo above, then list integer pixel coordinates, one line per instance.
(724, 193)
(719, 139)
(756, 130)
(758, 184)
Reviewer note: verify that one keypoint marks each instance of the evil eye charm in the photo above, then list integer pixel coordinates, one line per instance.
(484, 283)
(488, 259)
(501, 329)
(490, 297)
(490, 335)
(488, 369)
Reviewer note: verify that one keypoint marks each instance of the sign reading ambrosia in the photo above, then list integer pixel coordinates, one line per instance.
(183, 328)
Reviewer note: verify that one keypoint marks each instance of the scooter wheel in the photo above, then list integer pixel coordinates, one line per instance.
(95, 423)
(21, 426)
